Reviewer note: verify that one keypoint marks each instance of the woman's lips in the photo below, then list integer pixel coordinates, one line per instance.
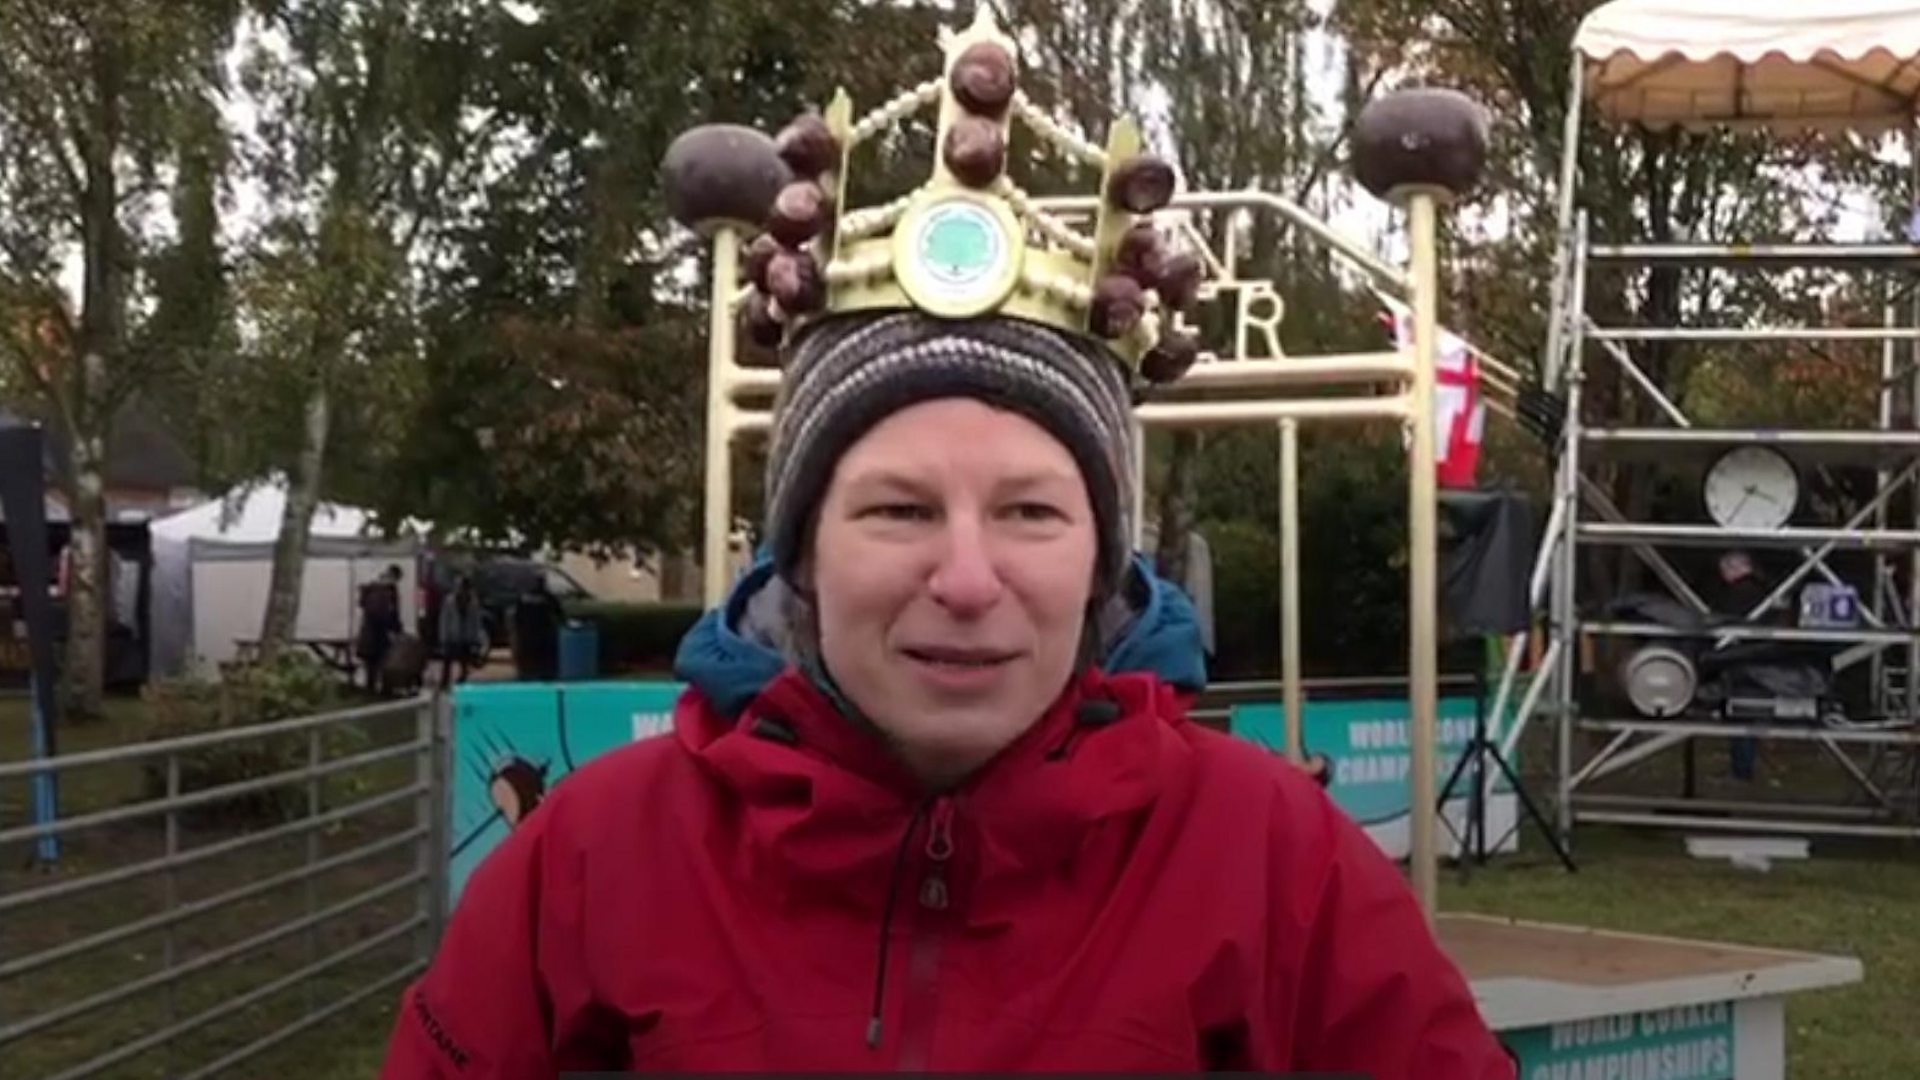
(958, 669)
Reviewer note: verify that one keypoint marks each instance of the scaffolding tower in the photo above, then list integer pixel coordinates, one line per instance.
(1624, 688)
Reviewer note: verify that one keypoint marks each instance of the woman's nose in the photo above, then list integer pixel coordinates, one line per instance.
(965, 581)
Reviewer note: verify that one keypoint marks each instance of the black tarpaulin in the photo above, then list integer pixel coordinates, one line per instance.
(23, 493)
(1487, 548)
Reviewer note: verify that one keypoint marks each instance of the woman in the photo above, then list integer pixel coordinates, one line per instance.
(932, 800)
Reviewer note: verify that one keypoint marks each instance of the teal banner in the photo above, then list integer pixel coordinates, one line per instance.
(1695, 1042)
(514, 742)
(1370, 747)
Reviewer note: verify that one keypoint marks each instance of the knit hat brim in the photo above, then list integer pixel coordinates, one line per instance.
(847, 375)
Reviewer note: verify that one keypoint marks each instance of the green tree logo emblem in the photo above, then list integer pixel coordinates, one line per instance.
(959, 245)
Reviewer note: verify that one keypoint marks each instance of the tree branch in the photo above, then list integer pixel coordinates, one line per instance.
(47, 129)
(460, 154)
(1324, 160)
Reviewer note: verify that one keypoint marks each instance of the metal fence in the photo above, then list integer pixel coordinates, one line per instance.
(210, 919)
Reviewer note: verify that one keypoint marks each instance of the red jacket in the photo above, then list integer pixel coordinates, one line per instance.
(1120, 890)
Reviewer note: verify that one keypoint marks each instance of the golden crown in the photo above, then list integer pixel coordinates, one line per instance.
(967, 243)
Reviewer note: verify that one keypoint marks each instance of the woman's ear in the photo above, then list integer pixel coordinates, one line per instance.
(801, 580)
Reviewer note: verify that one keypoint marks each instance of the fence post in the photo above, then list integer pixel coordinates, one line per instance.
(440, 715)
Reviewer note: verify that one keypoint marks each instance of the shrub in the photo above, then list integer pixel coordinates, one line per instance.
(637, 636)
(295, 684)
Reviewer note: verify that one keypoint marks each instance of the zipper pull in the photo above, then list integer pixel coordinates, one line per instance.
(933, 889)
(940, 831)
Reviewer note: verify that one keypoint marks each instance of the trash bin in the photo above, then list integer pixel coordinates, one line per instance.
(579, 650)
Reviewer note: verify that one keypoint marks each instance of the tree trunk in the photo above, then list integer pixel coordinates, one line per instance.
(102, 337)
(1177, 500)
(296, 525)
(679, 577)
(87, 580)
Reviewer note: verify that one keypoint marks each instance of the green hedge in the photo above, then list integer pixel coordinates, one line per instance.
(296, 684)
(1246, 599)
(637, 637)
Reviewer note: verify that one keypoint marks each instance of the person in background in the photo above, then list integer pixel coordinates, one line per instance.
(1743, 589)
(536, 632)
(462, 632)
(379, 622)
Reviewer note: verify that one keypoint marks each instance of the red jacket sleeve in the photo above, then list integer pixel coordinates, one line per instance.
(503, 995)
(1378, 996)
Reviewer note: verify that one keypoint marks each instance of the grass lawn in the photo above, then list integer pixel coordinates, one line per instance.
(1851, 898)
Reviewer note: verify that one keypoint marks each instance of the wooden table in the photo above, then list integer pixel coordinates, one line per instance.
(335, 652)
(1580, 1004)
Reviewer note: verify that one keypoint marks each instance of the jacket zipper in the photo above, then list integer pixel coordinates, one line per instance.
(920, 1005)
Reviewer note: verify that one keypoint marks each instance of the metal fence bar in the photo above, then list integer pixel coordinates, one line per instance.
(1764, 825)
(1736, 436)
(1728, 254)
(1268, 689)
(1715, 536)
(209, 795)
(1603, 801)
(161, 978)
(311, 895)
(176, 914)
(442, 819)
(394, 978)
(1749, 632)
(1701, 729)
(157, 747)
(201, 854)
(1758, 333)
(423, 770)
(235, 1004)
(170, 955)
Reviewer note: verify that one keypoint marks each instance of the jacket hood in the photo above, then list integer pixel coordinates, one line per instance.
(736, 650)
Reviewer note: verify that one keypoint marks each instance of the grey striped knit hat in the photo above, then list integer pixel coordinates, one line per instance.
(847, 374)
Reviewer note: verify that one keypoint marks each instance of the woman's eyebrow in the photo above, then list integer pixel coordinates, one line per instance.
(884, 479)
(1038, 478)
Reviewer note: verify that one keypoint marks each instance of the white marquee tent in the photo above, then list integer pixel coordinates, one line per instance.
(212, 565)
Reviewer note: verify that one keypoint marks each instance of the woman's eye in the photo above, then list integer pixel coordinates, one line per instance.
(1036, 512)
(901, 512)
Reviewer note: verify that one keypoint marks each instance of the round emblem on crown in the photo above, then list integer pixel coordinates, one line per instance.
(956, 254)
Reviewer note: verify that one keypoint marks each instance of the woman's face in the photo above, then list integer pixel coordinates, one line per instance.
(953, 563)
